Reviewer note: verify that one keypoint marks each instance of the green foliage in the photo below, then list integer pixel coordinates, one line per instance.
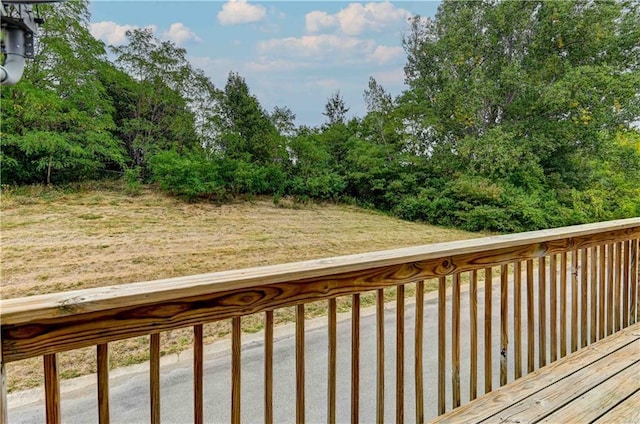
(518, 116)
(133, 181)
(190, 176)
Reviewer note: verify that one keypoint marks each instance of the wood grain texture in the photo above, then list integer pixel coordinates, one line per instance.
(517, 319)
(530, 319)
(236, 370)
(542, 311)
(455, 341)
(593, 278)
(52, 323)
(594, 403)
(102, 353)
(563, 304)
(491, 406)
(584, 302)
(400, 355)
(626, 412)
(154, 377)
(418, 347)
(473, 330)
(553, 306)
(300, 368)
(355, 358)
(488, 289)
(51, 389)
(268, 367)
(625, 284)
(610, 287)
(574, 301)
(602, 278)
(635, 280)
(332, 361)
(198, 375)
(568, 391)
(617, 288)
(4, 406)
(442, 329)
(504, 322)
(380, 356)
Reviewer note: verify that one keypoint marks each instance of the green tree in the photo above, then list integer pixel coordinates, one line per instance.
(159, 98)
(335, 109)
(56, 124)
(553, 75)
(246, 130)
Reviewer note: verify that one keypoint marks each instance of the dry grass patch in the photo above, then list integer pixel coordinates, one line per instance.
(93, 236)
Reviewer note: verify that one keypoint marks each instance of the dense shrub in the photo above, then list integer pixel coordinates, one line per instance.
(189, 176)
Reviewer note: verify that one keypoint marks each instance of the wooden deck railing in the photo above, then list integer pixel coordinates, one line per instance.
(557, 291)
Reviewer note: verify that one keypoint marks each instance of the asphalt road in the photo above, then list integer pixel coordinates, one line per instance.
(129, 388)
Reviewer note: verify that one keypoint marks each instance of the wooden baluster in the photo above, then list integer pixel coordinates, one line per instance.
(488, 288)
(442, 308)
(300, 372)
(635, 274)
(610, 289)
(553, 276)
(473, 324)
(584, 285)
(4, 406)
(355, 358)
(198, 374)
(51, 389)
(236, 369)
(602, 262)
(517, 319)
(268, 367)
(530, 319)
(594, 293)
(574, 300)
(504, 322)
(380, 356)
(400, 355)
(455, 341)
(154, 377)
(617, 287)
(418, 371)
(625, 285)
(563, 304)
(102, 353)
(333, 349)
(542, 311)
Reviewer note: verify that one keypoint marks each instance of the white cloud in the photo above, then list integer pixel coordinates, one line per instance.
(111, 32)
(357, 18)
(386, 54)
(179, 33)
(316, 21)
(318, 47)
(263, 64)
(240, 12)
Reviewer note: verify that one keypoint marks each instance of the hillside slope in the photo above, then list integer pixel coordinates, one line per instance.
(56, 241)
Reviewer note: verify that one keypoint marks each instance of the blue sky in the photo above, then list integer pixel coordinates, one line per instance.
(291, 53)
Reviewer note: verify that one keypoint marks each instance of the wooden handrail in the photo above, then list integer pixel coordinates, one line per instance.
(44, 324)
(599, 257)
(496, 250)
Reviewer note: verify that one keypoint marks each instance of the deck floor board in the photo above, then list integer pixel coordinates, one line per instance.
(560, 390)
(625, 412)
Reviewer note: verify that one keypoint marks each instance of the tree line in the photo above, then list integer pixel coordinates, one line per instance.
(517, 115)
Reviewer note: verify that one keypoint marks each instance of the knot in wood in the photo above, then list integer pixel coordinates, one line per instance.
(446, 267)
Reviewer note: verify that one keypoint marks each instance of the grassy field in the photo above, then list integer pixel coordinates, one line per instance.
(97, 235)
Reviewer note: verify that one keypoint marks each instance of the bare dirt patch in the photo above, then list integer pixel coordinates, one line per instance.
(52, 240)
